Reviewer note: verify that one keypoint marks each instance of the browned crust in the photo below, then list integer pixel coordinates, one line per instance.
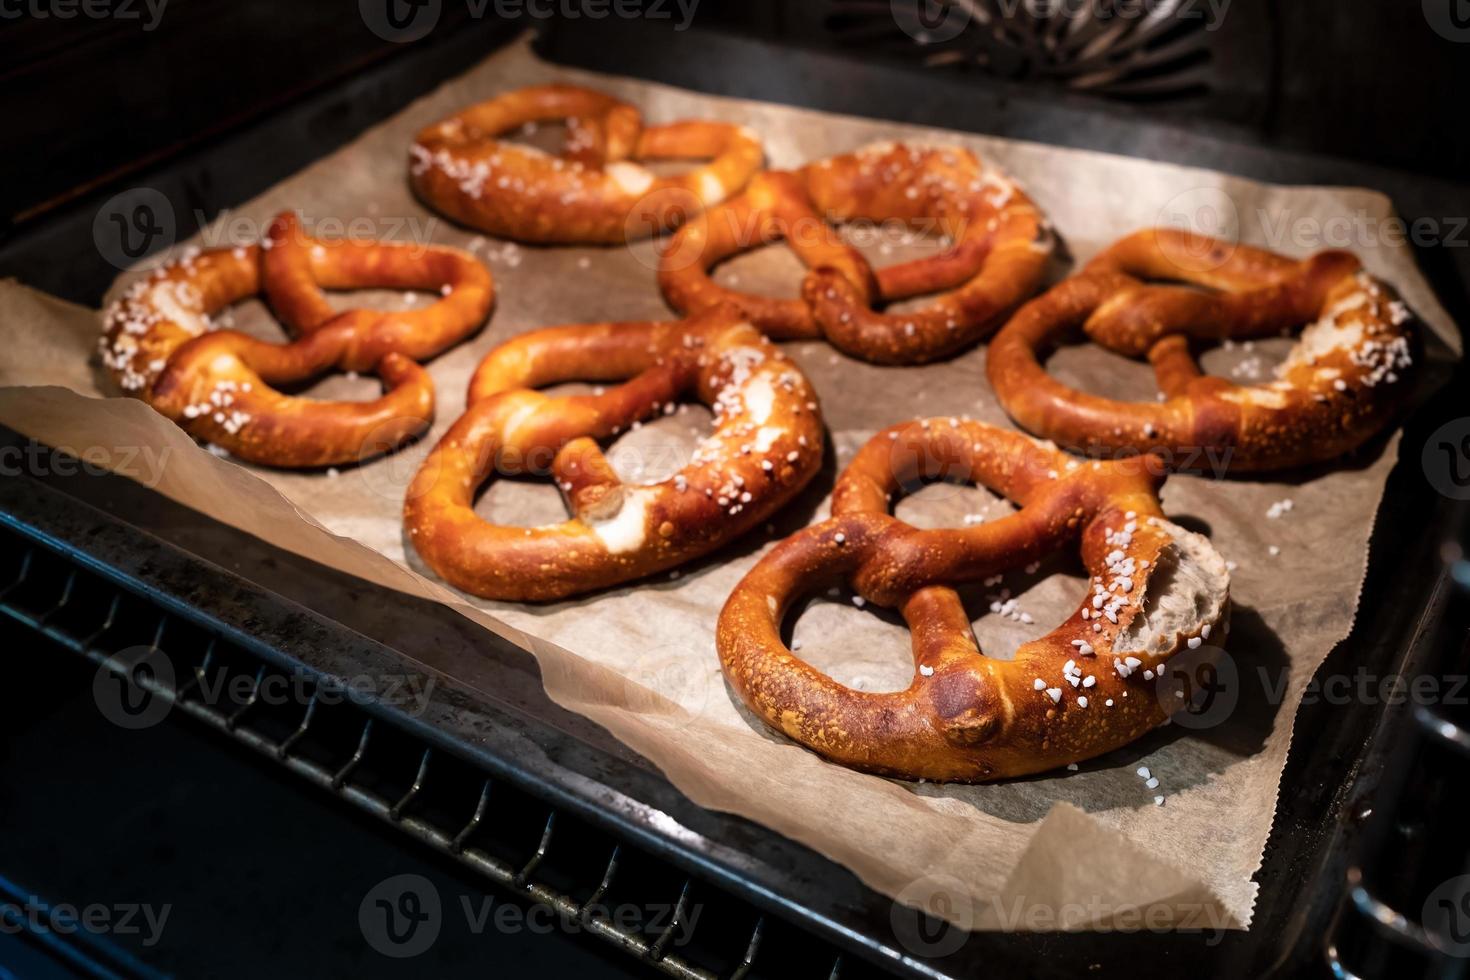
(766, 446)
(160, 345)
(965, 716)
(1320, 407)
(461, 168)
(998, 256)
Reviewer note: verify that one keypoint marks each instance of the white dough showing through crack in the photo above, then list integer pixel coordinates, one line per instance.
(1189, 588)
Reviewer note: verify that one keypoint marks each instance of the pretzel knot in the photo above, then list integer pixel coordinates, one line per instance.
(160, 343)
(766, 445)
(999, 245)
(1348, 373)
(1081, 690)
(596, 191)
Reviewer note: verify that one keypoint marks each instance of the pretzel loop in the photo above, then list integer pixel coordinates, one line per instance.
(766, 446)
(1155, 589)
(160, 343)
(596, 191)
(1335, 389)
(998, 251)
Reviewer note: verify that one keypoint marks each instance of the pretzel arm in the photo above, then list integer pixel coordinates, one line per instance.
(579, 352)
(1175, 367)
(1042, 404)
(218, 388)
(1009, 268)
(734, 153)
(952, 267)
(771, 209)
(298, 267)
(1167, 254)
(789, 694)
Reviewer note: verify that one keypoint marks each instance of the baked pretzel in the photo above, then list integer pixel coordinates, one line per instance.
(1347, 375)
(595, 191)
(766, 445)
(998, 254)
(160, 344)
(1075, 693)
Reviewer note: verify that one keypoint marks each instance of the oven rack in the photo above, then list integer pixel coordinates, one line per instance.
(1374, 931)
(360, 754)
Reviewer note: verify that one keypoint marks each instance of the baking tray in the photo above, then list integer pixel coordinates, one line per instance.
(298, 615)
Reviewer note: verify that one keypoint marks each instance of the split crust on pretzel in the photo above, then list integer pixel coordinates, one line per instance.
(596, 191)
(1000, 246)
(160, 344)
(766, 446)
(1348, 374)
(1084, 689)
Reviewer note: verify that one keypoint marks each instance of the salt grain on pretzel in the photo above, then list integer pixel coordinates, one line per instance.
(162, 344)
(766, 445)
(1064, 697)
(998, 251)
(1348, 373)
(596, 191)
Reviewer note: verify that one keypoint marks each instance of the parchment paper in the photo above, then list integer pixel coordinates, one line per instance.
(1083, 849)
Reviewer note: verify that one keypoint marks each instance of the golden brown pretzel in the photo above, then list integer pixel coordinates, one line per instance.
(594, 192)
(998, 254)
(1348, 374)
(767, 444)
(1081, 690)
(159, 343)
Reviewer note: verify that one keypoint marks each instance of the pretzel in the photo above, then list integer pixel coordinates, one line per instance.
(999, 250)
(766, 445)
(160, 344)
(1347, 375)
(595, 191)
(1077, 692)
